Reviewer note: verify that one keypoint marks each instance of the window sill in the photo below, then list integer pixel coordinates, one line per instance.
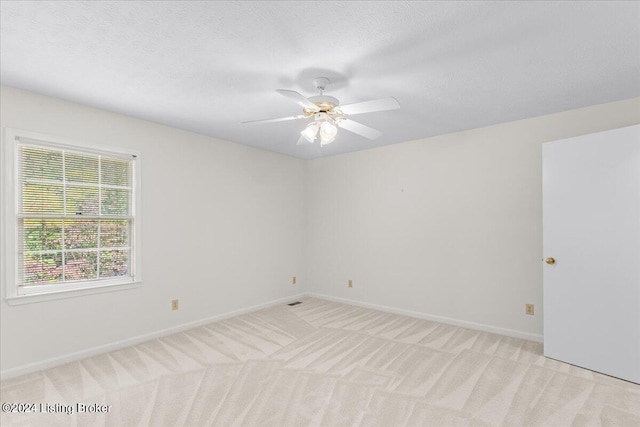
(48, 296)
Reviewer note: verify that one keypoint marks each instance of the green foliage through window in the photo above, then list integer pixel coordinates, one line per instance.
(74, 215)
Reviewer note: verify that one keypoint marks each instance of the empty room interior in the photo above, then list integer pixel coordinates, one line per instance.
(320, 213)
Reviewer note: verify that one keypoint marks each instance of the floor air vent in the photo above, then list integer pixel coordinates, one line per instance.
(295, 303)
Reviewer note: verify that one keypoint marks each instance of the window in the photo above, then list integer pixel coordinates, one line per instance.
(73, 223)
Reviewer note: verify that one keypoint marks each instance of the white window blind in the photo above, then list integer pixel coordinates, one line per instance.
(75, 216)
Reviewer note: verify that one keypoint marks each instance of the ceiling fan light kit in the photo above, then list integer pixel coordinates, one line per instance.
(329, 115)
(323, 125)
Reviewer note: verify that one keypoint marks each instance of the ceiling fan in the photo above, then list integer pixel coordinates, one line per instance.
(328, 115)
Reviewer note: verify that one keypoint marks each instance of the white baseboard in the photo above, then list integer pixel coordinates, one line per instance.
(55, 361)
(448, 320)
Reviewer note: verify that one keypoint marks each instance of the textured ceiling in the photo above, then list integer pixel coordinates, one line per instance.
(207, 66)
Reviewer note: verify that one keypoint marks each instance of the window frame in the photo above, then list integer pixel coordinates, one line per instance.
(15, 294)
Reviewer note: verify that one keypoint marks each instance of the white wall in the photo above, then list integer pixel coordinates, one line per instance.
(223, 229)
(447, 226)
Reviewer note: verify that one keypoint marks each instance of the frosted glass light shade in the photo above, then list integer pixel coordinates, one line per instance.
(309, 132)
(328, 133)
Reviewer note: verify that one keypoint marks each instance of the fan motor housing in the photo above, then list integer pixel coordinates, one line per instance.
(325, 103)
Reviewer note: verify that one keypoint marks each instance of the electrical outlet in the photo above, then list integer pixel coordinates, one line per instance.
(174, 304)
(350, 283)
(293, 280)
(528, 309)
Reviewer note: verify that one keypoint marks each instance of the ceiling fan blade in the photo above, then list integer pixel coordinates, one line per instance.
(383, 104)
(303, 141)
(298, 99)
(359, 128)
(281, 119)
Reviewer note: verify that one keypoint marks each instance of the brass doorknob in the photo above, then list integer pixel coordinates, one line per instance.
(550, 261)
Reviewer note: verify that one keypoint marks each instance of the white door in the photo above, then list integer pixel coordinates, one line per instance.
(591, 228)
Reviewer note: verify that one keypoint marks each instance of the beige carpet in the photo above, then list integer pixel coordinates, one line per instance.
(323, 363)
